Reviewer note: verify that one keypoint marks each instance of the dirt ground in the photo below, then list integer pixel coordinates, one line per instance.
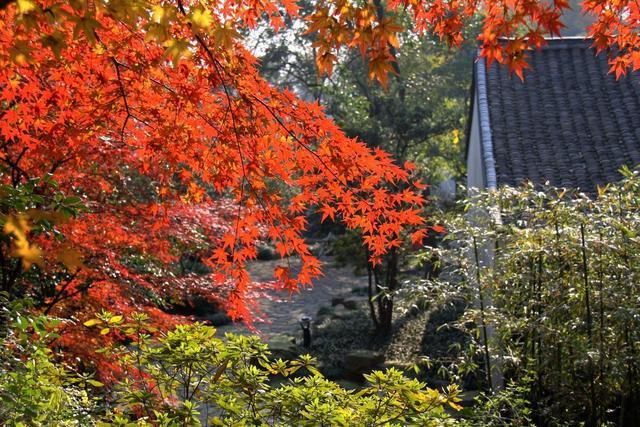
(284, 311)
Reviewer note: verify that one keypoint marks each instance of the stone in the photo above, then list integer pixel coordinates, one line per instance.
(283, 346)
(219, 318)
(350, 304)
(267, 253)
(360, 362)
(340, 312)
(336, 301)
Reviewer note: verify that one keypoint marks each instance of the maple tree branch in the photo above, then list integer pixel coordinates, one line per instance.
(295, 138)
(123, 92)
(168, 89)
(151, 79)
(60, 294)
(237, 135)
(85, 287)
(16, 170)
(210, 123)
(215, 63)
(58, 163)
(216, 66)
(264, 208)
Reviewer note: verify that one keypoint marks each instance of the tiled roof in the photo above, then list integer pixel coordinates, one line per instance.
(570, 123)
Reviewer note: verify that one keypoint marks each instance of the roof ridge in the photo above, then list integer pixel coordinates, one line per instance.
(559, 42)
(486, 139)
(556, 39)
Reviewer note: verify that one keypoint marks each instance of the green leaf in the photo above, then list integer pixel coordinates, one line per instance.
(95, 383)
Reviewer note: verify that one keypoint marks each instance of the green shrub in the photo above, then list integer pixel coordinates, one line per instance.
(509, 407)
(555, 274)
(188, 376)
(34, 389)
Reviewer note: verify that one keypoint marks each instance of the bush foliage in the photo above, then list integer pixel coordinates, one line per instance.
(189, 377)
(552, 277)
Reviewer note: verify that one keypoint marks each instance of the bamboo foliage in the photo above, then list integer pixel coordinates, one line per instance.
(565, 291)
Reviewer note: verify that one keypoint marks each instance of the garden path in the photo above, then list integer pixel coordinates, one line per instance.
(284, 311)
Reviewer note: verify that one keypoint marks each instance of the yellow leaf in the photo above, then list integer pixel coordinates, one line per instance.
(30, 254)
(201, 18)
(18, 226)
(223, 36)
(454, 405)
(92, 322)
(40, 215)
(116, 319)
(71, 259)
(161, 14)
(104, 331)
(55, 42)
(176, 49)
(20, 52)
(86, 25)
(155, 31)
(25, 6)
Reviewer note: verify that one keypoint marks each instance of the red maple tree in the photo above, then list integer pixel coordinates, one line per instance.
(152, 112)
(158, 120)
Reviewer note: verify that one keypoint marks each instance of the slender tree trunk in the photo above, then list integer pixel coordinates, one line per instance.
(585, 270)
(372, 309)
(483, 324)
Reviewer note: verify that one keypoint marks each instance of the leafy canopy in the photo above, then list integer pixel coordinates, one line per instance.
(152, 114)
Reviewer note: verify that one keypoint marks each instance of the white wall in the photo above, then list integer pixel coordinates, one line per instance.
(475, 168)
(486, 245)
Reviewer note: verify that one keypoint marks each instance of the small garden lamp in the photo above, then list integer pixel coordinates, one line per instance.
(305, 324)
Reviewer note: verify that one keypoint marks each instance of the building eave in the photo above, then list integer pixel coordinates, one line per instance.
(486, 141)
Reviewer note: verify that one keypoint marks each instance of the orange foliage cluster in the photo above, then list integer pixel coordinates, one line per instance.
(160, 122)
(616, 30)
(343, 23)
(512, 27)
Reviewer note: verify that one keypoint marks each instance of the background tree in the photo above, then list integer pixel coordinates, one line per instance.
(419, 117)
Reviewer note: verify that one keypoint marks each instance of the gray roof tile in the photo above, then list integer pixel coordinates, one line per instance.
(570, 123)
